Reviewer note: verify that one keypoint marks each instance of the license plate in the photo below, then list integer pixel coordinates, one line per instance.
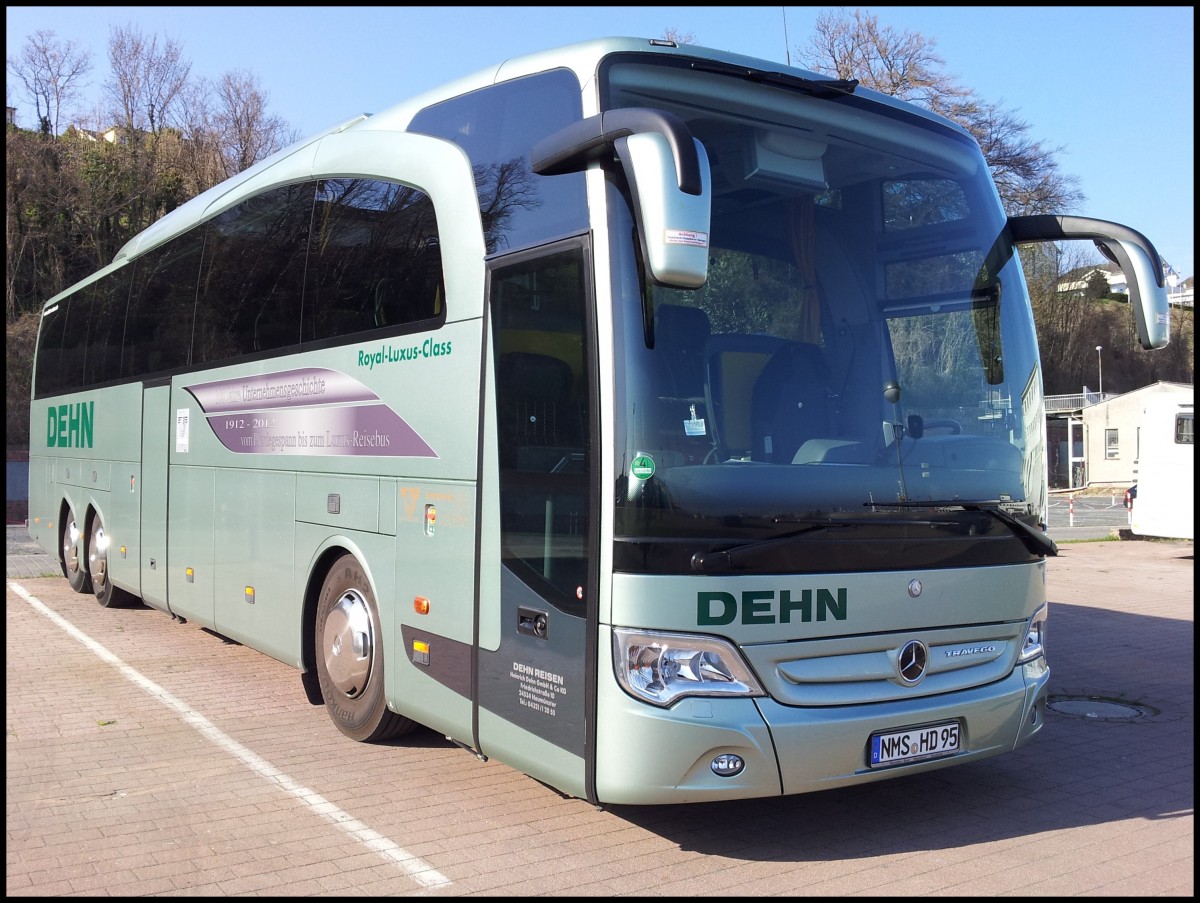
(915, 744)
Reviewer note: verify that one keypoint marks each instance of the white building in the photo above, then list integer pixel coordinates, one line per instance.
(1095, 442)
(1180, 290)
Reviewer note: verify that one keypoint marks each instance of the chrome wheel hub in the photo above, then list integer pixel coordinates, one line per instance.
(348, 644)
(70, 546)
(98, 556)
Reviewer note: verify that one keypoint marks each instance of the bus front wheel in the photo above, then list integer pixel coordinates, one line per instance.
(350, 656)
(72, 556)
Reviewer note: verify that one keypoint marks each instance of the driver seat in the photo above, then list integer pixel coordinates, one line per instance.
(791, 403)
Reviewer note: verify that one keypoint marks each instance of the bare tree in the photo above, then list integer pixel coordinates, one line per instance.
(246, 131)
(39, 210)
(146, 82)
(20, 337)
(1026, 172)
(200, 161)
(228, 128)
(51, 73)
(679, 37)
(72, 203)
(904, 64)
(145, 90)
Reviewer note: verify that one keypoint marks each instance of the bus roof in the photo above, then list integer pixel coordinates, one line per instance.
(294, 163)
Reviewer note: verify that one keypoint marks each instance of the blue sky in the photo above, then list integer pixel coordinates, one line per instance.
(1111, 87)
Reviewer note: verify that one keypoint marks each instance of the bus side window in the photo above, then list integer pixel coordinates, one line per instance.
(496, 126)
(539, 307)
(376, 260)
(536, 420)
(251, 285)
(107, 329)
(413, 291)
(162, 307)
(50, 378)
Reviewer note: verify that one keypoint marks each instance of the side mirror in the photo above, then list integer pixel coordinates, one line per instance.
(1127, 248)
(1148, 297)
(673, 224)
(669, 179)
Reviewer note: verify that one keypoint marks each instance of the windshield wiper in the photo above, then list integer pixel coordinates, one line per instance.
(813, 86)
(723, 559)
(1036, 541)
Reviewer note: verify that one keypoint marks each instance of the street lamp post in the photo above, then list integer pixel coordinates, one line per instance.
(1100, 370)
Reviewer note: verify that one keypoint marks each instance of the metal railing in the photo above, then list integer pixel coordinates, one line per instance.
(1061, 404)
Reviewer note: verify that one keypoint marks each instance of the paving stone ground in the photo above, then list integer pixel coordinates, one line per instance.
(148, 757)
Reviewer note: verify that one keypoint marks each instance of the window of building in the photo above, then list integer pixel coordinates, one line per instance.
(1185, 429)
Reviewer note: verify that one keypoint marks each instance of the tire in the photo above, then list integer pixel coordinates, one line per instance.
(72, 556)
(97, 567)
(349, 654)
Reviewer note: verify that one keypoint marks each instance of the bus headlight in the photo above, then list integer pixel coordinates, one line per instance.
(1035, 637)
(660, 668)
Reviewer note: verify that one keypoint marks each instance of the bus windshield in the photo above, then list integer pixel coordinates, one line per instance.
(863, 352)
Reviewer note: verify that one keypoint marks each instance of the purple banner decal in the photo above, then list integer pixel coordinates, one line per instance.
(373, 429)
(288, 389)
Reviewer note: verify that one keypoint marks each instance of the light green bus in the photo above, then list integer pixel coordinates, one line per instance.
(663, 423)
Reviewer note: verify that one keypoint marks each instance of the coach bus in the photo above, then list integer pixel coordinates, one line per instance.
(1165, 503)
(664, 423)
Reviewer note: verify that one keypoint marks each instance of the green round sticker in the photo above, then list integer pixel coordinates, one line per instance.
(642, 467)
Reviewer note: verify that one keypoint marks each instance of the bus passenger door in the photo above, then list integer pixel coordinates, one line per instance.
(156, 438)
(536, 688)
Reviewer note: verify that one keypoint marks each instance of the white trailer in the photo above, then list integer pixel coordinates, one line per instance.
(1165, 505)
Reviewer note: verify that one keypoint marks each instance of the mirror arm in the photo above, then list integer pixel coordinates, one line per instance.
(1132, 251)
(572, 148)
(1048, 227)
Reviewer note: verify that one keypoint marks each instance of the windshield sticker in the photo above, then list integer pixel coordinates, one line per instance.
(642, 467)
(686, 237)
(694, 426)
(310, 411)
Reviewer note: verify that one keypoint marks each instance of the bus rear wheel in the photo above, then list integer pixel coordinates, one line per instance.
(72, 557)
(349, 656)
(107, 594)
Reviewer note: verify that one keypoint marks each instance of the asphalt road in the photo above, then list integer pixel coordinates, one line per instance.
(1086, 517)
